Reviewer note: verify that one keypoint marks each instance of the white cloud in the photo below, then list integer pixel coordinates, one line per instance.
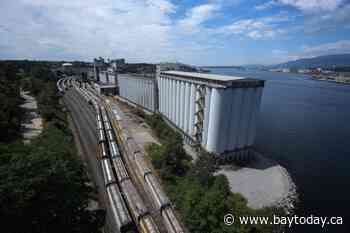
(225, 2)
(341, 46)
(163, 5)
(307, 51)
(198, 15)
(279, 52)
(254, 34)
(266, 5)
(328, 21)
(259, 28)
(51, 29)
(313, 5)
(243, 26)
(145, 30)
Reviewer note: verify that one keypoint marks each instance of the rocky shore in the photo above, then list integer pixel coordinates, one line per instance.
(263, 182)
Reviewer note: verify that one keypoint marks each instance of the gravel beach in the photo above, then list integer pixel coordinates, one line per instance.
(264, 183)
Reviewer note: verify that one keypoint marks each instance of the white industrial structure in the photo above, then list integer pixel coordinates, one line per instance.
(218, 113)
(139, 90)
(107, 77)
(214, 112)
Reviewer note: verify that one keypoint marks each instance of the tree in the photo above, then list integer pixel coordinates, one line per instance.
(204, 168)
(10, 100)
(44, 187)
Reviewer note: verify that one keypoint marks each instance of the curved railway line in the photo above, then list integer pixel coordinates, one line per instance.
(128, 210)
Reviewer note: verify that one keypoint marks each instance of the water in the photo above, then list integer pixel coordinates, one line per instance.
(305, 126)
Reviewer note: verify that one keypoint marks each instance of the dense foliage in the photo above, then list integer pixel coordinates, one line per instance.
(10, 100)
(169, 158)
(202, 198)
(43, 185)
(138, 68)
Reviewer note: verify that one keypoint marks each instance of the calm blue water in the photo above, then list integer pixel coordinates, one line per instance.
(305, 126)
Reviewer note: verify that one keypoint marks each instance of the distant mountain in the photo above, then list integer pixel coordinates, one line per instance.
(231, 66)
(321, 61)
(255, 66)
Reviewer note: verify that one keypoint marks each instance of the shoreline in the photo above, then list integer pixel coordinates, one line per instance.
(263, 182)
(261, 170)
(313, 77)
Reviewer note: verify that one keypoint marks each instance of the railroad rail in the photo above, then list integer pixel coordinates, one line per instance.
(128, 208)
(144, 173)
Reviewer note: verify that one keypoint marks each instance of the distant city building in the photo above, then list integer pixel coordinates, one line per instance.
(110, 67)
(99, 65)
(117, 64)
(304, 71)
(343, 77)
(105, 74)
(175, 66)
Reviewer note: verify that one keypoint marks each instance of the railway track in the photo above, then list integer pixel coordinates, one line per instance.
(129, 212)
(137, 161)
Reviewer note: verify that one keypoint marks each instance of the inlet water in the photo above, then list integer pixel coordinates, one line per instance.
(305, 126)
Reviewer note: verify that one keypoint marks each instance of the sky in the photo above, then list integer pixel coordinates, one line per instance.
(212, 32)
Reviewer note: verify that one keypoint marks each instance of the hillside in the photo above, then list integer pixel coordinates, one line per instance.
(321, 61)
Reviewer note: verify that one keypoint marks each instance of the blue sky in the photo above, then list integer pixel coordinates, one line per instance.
(213, 32)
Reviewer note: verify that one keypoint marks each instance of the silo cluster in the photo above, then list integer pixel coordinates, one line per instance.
(107, 78)
(139, 90)
(217, 112)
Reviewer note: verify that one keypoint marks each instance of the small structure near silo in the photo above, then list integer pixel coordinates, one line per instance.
(67, 67)
(105, 75)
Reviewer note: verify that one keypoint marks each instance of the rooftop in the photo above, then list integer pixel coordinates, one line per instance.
(204, 76)
(106, 85)
(215, 78)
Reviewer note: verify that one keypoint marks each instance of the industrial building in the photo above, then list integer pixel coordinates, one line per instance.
(106, 77)
(139, 89)
(213, 112)
(99, 65)
(117, 64)
(218, 113)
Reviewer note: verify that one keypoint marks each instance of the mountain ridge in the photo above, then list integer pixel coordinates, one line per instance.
(315, 62)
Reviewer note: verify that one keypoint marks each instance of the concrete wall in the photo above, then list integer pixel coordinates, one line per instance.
(230, 113)
(103, 77)
(139, 90)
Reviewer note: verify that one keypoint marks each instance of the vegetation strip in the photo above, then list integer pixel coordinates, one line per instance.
(43, 185)
(201, 198)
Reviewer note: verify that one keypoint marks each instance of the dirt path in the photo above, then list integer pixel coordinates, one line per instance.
(32, 124)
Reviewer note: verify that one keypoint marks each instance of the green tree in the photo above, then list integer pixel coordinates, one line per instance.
(202, 198)
(204, 168)
(44, 187)
(10, 100)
